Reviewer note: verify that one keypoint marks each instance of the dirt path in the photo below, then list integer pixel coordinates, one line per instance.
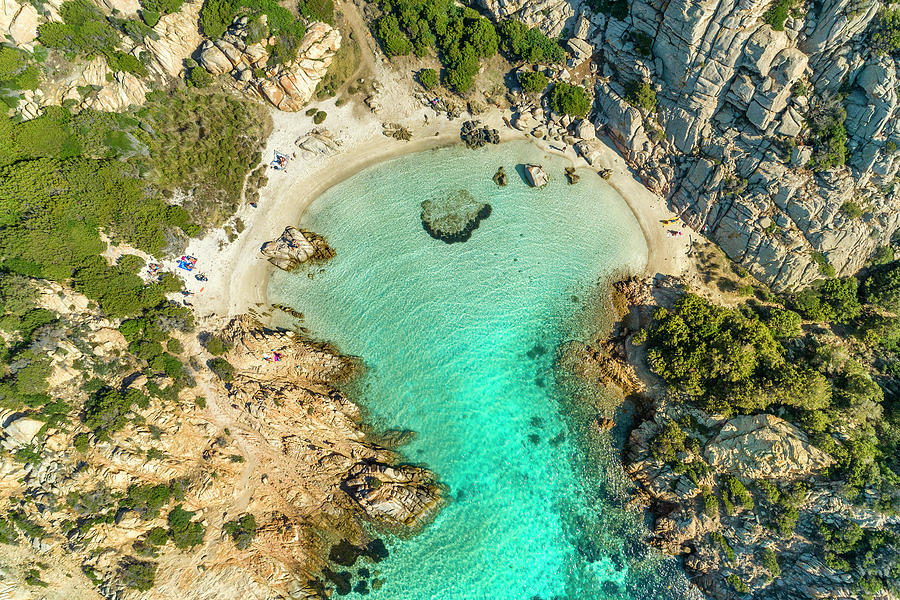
(353, 18)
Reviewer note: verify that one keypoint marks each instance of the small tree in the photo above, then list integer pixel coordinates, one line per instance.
(533, 81)
(570, 99)
(641, 95)
(428, 78)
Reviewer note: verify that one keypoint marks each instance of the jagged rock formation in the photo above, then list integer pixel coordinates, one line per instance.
(476, 136)
(764, 446)
(402, 497)
(296, 246)
(735, 129)
(454, 218)
(287, 86)
(278, 441)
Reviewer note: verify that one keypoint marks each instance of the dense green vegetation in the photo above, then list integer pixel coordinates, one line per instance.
(86, 32)
(529, 45)
(569, 99)
(460, 36)
(641, 95)
(205, 144)
(828, 135)
(217, 15)
(429, 79)
(241, 530)
(884, 32)
(778, 13)
(533, 82)
(758, 358)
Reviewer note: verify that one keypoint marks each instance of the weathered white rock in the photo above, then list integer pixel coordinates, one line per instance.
(764, 446)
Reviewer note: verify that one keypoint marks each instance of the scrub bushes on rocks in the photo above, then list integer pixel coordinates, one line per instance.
(569, 99)
(428, 78)
(533, 81)
(529, 45)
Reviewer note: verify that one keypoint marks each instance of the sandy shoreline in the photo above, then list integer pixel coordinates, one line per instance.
(238, 275)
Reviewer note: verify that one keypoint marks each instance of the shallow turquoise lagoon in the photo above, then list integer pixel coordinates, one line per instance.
(460, 342)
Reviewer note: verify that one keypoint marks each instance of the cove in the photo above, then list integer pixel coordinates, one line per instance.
(460, 343)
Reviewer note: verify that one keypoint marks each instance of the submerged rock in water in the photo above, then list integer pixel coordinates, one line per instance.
(402, 497)
(454, 218)
(536, 175)
(500, 177)
(296, 246)
(571, 176)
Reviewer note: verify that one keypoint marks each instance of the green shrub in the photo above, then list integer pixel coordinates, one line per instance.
(828, 136)
(200, 77)
(738, 493)
(320, 117)
(105, 411)
(770, 562)
(834, 300)
(428, 78)
(529, 45)
(643, 43)
(241, 530)
(739, 586)
(882, 287)
(138, 575)
(82, 442)
(729, 362)
(215, 17)
(783, 323)
(184, 532)
(825, 267)
(710, 503)
(852, 209)
(778, 13)
(146, 499)
(392, 38)
(533, 82)
(150, 17)
(222, 368)
(569, 99)
(318, 10)
(882, 256)
(723, 544)
(884, 35)
(215, 346)
(641, 95)
(131, 263)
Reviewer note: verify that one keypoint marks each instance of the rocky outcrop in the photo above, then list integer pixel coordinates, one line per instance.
(287, 86)
(453, 218)
(736, 142)
(474, 135)
(762, 447)
(403, 497)
(536, 176)
(18, 23)
(294, 247)
(318, 142)
(176, 38)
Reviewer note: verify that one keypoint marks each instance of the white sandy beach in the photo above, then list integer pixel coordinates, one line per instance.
(238, 274)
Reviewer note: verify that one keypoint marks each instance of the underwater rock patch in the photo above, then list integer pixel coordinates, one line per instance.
(454, 218)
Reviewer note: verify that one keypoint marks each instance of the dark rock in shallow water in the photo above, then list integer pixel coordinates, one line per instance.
(345, 554)
(500, 177)
(341, 581)
(571, 176)
(362, 588)
(476, 136)
(454, 218)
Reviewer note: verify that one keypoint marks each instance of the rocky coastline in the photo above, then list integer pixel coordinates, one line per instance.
(741, 501)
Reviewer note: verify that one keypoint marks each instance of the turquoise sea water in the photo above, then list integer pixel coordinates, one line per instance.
(460, 342)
